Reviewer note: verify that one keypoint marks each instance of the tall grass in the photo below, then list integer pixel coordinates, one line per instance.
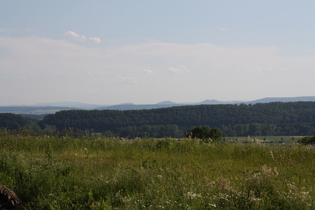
(98, 173)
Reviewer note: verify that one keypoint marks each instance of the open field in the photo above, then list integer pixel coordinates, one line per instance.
(265, 139)
(98, 173)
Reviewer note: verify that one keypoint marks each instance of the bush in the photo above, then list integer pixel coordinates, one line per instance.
(205, 134)
(307, 140)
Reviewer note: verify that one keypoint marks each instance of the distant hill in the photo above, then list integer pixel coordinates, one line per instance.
(260, 119)
(49, 108)
(213, 101)
(12, 121)
(167, 103)
(76, 105)
(283, 99)
(33, 109)
(139, 106)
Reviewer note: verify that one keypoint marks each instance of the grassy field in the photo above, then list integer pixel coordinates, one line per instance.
(265, 139)
(98, 173)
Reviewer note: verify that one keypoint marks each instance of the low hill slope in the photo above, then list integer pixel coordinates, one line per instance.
(13, 121)
(185, 117)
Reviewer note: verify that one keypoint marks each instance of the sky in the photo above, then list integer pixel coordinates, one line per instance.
(145, 51)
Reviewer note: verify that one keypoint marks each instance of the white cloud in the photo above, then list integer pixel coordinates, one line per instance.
(59, 70)
(148, 71)
(178, 70)
(82, 38)
(128, 80)
(95, 39)
(173, 70)
(75, 36)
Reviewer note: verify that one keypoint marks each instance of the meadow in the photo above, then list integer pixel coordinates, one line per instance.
(50, 172)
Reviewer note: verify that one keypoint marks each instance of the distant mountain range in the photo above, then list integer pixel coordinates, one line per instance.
(50, 108)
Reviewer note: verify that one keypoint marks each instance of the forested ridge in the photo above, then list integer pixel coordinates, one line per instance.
(293, 118)
(14, 122)
(277, 118)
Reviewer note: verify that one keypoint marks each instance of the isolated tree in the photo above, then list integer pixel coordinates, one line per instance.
(215, 134)
(201, 132)
(205, 134)
(307, 140)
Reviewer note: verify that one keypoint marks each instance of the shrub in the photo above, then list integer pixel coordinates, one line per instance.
(307, 140)
(205, 134)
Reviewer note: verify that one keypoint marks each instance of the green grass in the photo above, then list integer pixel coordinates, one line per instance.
(98, 173)
(266, 139)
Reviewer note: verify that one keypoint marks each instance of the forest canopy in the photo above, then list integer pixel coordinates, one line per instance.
(277, 118)
(293, 118)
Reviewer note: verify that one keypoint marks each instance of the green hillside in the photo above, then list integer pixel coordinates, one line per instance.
(292, 118)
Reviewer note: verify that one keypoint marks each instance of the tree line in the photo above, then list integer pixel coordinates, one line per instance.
(277, 118)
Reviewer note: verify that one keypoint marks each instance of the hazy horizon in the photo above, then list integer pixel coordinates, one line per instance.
(79, 103)
(142, 52)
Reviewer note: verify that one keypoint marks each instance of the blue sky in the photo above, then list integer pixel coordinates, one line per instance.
(109, 52)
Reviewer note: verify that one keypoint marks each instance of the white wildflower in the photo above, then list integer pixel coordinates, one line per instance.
(213, 205)
(271, 153)
(192, 195)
